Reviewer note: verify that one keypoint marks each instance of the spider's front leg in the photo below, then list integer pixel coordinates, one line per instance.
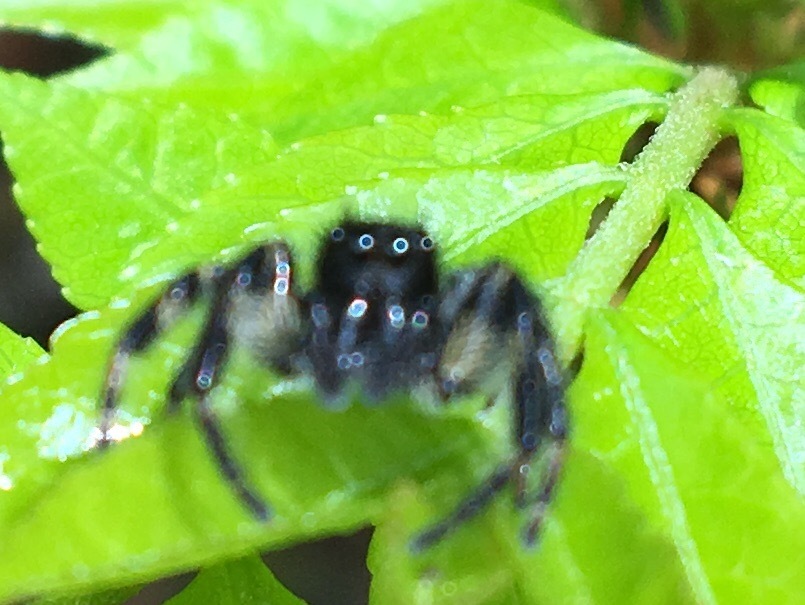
(485, 312)
(252, 303)
(157, 318)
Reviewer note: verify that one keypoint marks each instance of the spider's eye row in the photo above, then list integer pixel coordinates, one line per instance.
(337, 234)
(426, 243)
(366, 242)
(400, 245)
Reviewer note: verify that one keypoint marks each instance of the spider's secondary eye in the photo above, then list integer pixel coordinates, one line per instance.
(203, 380)
(352, 360)
(281, 286)
(357, 308)
(427, 301)
(337, 234)
(420, 319)
(396, 316)
(400, 245)
(426, 243)
(366, 242)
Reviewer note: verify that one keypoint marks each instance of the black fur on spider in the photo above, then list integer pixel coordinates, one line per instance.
(379, 318)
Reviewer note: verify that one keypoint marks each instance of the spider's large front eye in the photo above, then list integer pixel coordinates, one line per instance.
(400, 245)
(366, 242)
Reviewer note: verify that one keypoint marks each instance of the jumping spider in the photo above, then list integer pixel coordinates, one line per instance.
(377, 318)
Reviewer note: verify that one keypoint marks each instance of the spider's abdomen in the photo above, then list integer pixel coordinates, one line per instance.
(372, 313)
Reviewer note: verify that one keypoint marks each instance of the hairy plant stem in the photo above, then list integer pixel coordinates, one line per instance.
(666, 164)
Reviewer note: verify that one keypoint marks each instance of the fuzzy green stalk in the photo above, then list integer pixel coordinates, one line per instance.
(666, 164)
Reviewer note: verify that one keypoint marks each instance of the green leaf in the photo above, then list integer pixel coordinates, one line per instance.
(174, 511)
(689, 459)
(409, 57)
(115, 596)
(770, 212)
(125, 173)
(16, 353)
(754, 324)
(244, 581)
(150, 202)
(793, 73)
(590, 521)
(342, 489)
(781, 91)
(782, 99)
(118, 23)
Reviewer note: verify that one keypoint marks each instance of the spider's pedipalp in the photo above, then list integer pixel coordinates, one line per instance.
(474, 331)
(265, 315)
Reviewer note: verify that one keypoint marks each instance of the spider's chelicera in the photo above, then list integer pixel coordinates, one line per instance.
(377, 318)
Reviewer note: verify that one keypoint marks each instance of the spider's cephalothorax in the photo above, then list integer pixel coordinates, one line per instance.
(378, 320)
(371, 311)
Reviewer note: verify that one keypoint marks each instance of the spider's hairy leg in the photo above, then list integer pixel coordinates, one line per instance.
(543, 497)
(179, 295)
(208, 360)
(485, 311)
(467, 317)
(540, 413)
(249, 302)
